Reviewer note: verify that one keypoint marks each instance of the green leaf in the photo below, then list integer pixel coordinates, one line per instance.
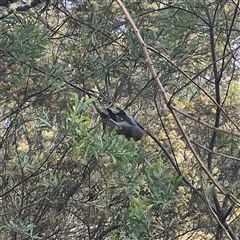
(149, 217)
(178, 182)
(45, 122)
(87, 102)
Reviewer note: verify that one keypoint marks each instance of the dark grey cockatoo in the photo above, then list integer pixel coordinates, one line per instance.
(126, 125)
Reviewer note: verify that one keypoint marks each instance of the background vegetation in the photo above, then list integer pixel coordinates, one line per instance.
(63, 62)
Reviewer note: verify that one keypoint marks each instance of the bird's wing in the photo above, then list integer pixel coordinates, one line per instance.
(122, 115)
(113, 116)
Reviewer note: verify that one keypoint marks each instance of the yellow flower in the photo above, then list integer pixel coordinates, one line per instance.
(54, 129)
(176, 209)
(47, 134)
(23, 147)
(180, 190)
(215, 171)
(190, 107)
(213, 110)
(203, 99)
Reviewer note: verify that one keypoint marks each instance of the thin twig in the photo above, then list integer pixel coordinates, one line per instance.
(216, 153)
(198, 120)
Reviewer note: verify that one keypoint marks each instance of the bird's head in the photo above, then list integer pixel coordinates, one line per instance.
(138, 135)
